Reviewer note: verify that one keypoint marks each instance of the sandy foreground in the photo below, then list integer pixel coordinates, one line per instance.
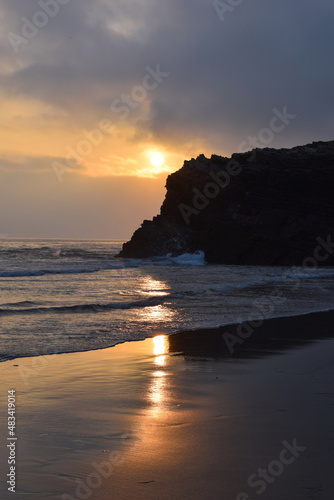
(178, 418)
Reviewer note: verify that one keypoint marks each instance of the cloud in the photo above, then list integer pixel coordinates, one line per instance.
(225, 77)
(224, 80)
(24, 164)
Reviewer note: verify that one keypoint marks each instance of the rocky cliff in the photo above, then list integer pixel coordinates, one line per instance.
(266, 207)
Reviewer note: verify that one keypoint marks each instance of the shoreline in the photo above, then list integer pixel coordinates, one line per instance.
(177, 417)
(200, 336)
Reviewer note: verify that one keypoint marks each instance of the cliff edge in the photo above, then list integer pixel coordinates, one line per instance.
(263, 207)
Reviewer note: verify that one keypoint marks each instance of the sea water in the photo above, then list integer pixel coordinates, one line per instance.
(65, 296)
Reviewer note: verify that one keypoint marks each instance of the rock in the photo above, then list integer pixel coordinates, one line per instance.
(263, 207)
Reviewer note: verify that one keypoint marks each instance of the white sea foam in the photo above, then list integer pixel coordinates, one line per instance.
(189, 259)
(68, 296)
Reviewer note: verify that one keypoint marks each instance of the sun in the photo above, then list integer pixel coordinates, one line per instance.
(157, 159)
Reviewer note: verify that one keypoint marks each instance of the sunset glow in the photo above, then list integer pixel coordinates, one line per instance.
(100, 104)
(157, 159)
(160, 345)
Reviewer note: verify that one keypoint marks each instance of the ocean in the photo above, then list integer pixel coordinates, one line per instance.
(66, 296)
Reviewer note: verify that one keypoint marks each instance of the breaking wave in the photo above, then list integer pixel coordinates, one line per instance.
(83, 308)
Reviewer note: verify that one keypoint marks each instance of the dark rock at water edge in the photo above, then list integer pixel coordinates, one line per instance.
(263, 207)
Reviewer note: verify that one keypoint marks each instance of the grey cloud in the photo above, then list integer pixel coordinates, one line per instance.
(31, 164)
(225, 77)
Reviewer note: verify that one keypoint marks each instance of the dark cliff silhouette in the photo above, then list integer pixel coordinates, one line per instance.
(264, 207)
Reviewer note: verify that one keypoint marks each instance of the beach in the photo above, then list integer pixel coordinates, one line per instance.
(169, 418)
(166, 250)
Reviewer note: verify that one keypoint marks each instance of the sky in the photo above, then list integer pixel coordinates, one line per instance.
(101, 100)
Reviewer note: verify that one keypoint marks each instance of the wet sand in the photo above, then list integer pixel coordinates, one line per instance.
(179, 417)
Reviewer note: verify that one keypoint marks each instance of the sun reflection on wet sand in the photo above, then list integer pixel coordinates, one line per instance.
(160, 345)
(160, 348)
(160, 360)
(157, 392)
